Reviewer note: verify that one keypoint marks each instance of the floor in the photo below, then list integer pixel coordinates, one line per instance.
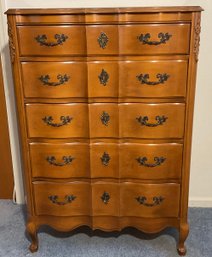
(80, 243)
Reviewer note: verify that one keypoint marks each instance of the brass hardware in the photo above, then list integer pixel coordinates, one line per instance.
(105, 117)
(158, 161)
(143, 78)
(67, 160)
(157, 200)
(102, 40)
(65, 121)
(105, 197)
(68, 199)
(143, 121)
(61, 80)
(144, 38)
(105, 159)
(60, 39)
(103, 77)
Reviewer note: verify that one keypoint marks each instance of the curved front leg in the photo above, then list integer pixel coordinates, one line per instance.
(32, 231)
(184, 230)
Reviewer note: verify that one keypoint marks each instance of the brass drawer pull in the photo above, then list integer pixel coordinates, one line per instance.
(105, 117)
(60, 39)
(68, 199)
(105, 198)
(157, 200)
(158, 161)
(67, 160)
(61, 80)
(105, 159)
(143, 121)
(103, 77)
(164, 37)
(103, 40)
(65, 120)
(143, 78)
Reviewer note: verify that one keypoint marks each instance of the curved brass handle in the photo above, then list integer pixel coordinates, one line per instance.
(144, 38)
(65, 120)
(103, 77)
(105, 117)
(103, 40)
(61, 80)
(158, 161)
(60, 39)
(105, 159)
(52, 160)
(68, 199)
(105, 198)
(143, 78)
(143, 121)
(157, 200)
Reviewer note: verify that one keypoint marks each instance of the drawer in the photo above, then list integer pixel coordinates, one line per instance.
(62, 199)
(151, 161)
(104, 160)
(149, 200)
(154, 39)
(103, 79)
(105, 199)
(54, 79)
(102, 40)
(69, 160)
(57, 120)
(166, 78)
(152, 120)
(51, 40)
(103, 120)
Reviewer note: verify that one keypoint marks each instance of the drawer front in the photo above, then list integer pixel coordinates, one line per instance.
(153, 78)
(103, 120)
(103, 79)
(70, 160)
(152, 120)
(54, 79)
(105, 199)
(102, 40)
(150, 161)
(149, 200)
(104, 160)
(154, 39)
(57, 199)
(57, 120)
(52, 40)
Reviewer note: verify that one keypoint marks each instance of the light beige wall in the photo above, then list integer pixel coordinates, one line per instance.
(201, 175)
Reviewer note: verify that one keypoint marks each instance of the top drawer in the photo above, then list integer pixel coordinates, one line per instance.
(154, 39)
(52, 40)
(139, 39)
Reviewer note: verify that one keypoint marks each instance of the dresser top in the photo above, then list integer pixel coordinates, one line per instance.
(105, 10)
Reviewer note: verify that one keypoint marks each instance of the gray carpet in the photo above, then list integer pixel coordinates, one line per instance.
(83, 243)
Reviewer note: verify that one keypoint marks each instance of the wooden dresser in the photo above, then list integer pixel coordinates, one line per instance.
(105, 100)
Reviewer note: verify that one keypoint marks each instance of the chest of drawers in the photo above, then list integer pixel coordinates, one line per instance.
(105, 100)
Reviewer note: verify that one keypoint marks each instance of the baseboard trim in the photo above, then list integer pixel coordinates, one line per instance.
(205, 202)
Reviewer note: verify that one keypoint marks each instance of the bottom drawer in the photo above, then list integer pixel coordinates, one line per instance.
(105, 199)
(149, 200)
(57, 199)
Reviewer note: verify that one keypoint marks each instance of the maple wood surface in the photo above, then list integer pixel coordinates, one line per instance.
(105, 115)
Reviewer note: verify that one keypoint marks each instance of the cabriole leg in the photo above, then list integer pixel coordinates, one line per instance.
(184, 230)
(32, 231)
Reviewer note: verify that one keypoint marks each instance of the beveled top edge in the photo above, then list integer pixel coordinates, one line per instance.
(44, 11)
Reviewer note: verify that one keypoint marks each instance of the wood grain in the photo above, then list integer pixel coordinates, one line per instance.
(6, 169)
